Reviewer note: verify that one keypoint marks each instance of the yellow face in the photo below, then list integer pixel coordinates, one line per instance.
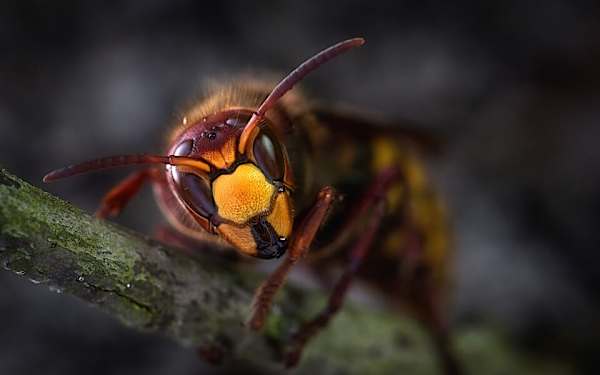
(258, 216)
(244, 198)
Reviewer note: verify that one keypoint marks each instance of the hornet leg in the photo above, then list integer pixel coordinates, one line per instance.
(373, 203)
(310, 329)
(117, 198)
(301, 241)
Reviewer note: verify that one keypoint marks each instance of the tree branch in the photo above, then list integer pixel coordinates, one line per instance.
(203, 301)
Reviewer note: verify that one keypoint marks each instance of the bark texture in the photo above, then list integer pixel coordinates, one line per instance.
(203, 301)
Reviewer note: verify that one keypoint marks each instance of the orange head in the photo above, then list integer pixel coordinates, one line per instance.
(231, 171)
(243, 196)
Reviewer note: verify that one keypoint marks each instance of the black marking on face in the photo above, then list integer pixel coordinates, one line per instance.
(268, 244)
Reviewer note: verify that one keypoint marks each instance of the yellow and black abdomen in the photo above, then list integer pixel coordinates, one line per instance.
(416, 229)
(414, 232)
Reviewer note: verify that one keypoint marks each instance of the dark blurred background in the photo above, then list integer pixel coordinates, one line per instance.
(514, 86)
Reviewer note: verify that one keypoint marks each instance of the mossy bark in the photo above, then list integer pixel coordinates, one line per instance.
(203, 301)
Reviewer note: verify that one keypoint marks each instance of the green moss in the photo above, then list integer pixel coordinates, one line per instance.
(27, 212)
(377, 343)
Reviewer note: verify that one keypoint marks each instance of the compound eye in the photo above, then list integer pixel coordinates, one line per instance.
(184, 148)
(196, 193)
(194, 190)
(268, 156)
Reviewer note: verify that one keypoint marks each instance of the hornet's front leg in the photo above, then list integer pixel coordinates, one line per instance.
(301, 241)
(117, 198)
(310, 329)
(372, 207)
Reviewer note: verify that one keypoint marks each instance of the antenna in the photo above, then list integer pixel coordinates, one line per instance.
(293, 78)
(124, 160)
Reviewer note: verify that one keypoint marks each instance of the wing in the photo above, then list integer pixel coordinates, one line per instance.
(428, 141)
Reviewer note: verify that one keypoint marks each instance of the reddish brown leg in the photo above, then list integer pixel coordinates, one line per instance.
(301, 240)
(309, 329)
(443, 344)
(426, 296)
(373, 203)
(169, 236)
(117, 198)
(212, 354)
(434, 318)
(375, 192)
(191, 246)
